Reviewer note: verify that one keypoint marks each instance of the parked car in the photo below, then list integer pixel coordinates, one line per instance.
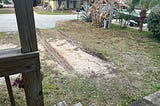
(8, 6)
(133, 23)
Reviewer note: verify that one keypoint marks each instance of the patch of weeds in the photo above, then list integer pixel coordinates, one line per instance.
(136, 55)
(118, 61)
(2, 34)
(157, 87)
(9, 38)
(55, 12)
(70, 89)
(4, 100)
(19, 97)
(7, 11)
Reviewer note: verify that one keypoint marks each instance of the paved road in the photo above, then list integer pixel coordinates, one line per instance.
(8, 21)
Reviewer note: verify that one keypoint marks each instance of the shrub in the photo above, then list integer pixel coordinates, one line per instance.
(154, 21)
(1, 5)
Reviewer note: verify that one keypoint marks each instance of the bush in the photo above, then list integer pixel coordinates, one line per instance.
(1, 5)
(154, 21)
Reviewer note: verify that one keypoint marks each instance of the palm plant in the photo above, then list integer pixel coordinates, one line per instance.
(154, 3)
(6, 1)
(131, 6)
(145, 5)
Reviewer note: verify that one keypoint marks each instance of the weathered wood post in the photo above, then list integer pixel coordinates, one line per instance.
(10, 92)
(28, 40)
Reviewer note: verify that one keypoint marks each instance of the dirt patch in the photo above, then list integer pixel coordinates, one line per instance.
(83, 63)
(7, 46)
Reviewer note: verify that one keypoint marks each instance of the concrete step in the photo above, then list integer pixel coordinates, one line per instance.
(150, 100)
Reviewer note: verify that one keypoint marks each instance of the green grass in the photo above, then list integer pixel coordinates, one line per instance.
(136, 55)
(6, 38)
(2, 34)
(70, 89)
(55, 12)
(6, 11)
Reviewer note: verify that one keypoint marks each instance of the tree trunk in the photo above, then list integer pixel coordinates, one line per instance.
(59, 4)
(141, 25)
(142, 17)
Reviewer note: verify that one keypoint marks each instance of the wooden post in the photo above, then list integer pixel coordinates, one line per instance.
(9, 88)
(27, 33)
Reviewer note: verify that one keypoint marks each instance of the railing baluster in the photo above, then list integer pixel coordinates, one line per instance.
(10, 92)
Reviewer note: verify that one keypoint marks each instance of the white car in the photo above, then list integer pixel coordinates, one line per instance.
(133, 23)
(8, 5)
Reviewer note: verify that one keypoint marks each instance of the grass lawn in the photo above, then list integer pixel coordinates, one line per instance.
(135, 54)
(6, 10)
(55, 12)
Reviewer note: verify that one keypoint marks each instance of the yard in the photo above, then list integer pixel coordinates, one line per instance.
(6, 10)
(135, 55)
(39, 10)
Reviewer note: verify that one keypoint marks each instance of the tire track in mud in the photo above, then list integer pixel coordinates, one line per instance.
(55, 56)
(74, 58)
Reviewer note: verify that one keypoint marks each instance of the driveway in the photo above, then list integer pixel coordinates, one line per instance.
(8, 21)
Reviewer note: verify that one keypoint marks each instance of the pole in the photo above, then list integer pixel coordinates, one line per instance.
(111, 14)
(9, 88)
(27, 33)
